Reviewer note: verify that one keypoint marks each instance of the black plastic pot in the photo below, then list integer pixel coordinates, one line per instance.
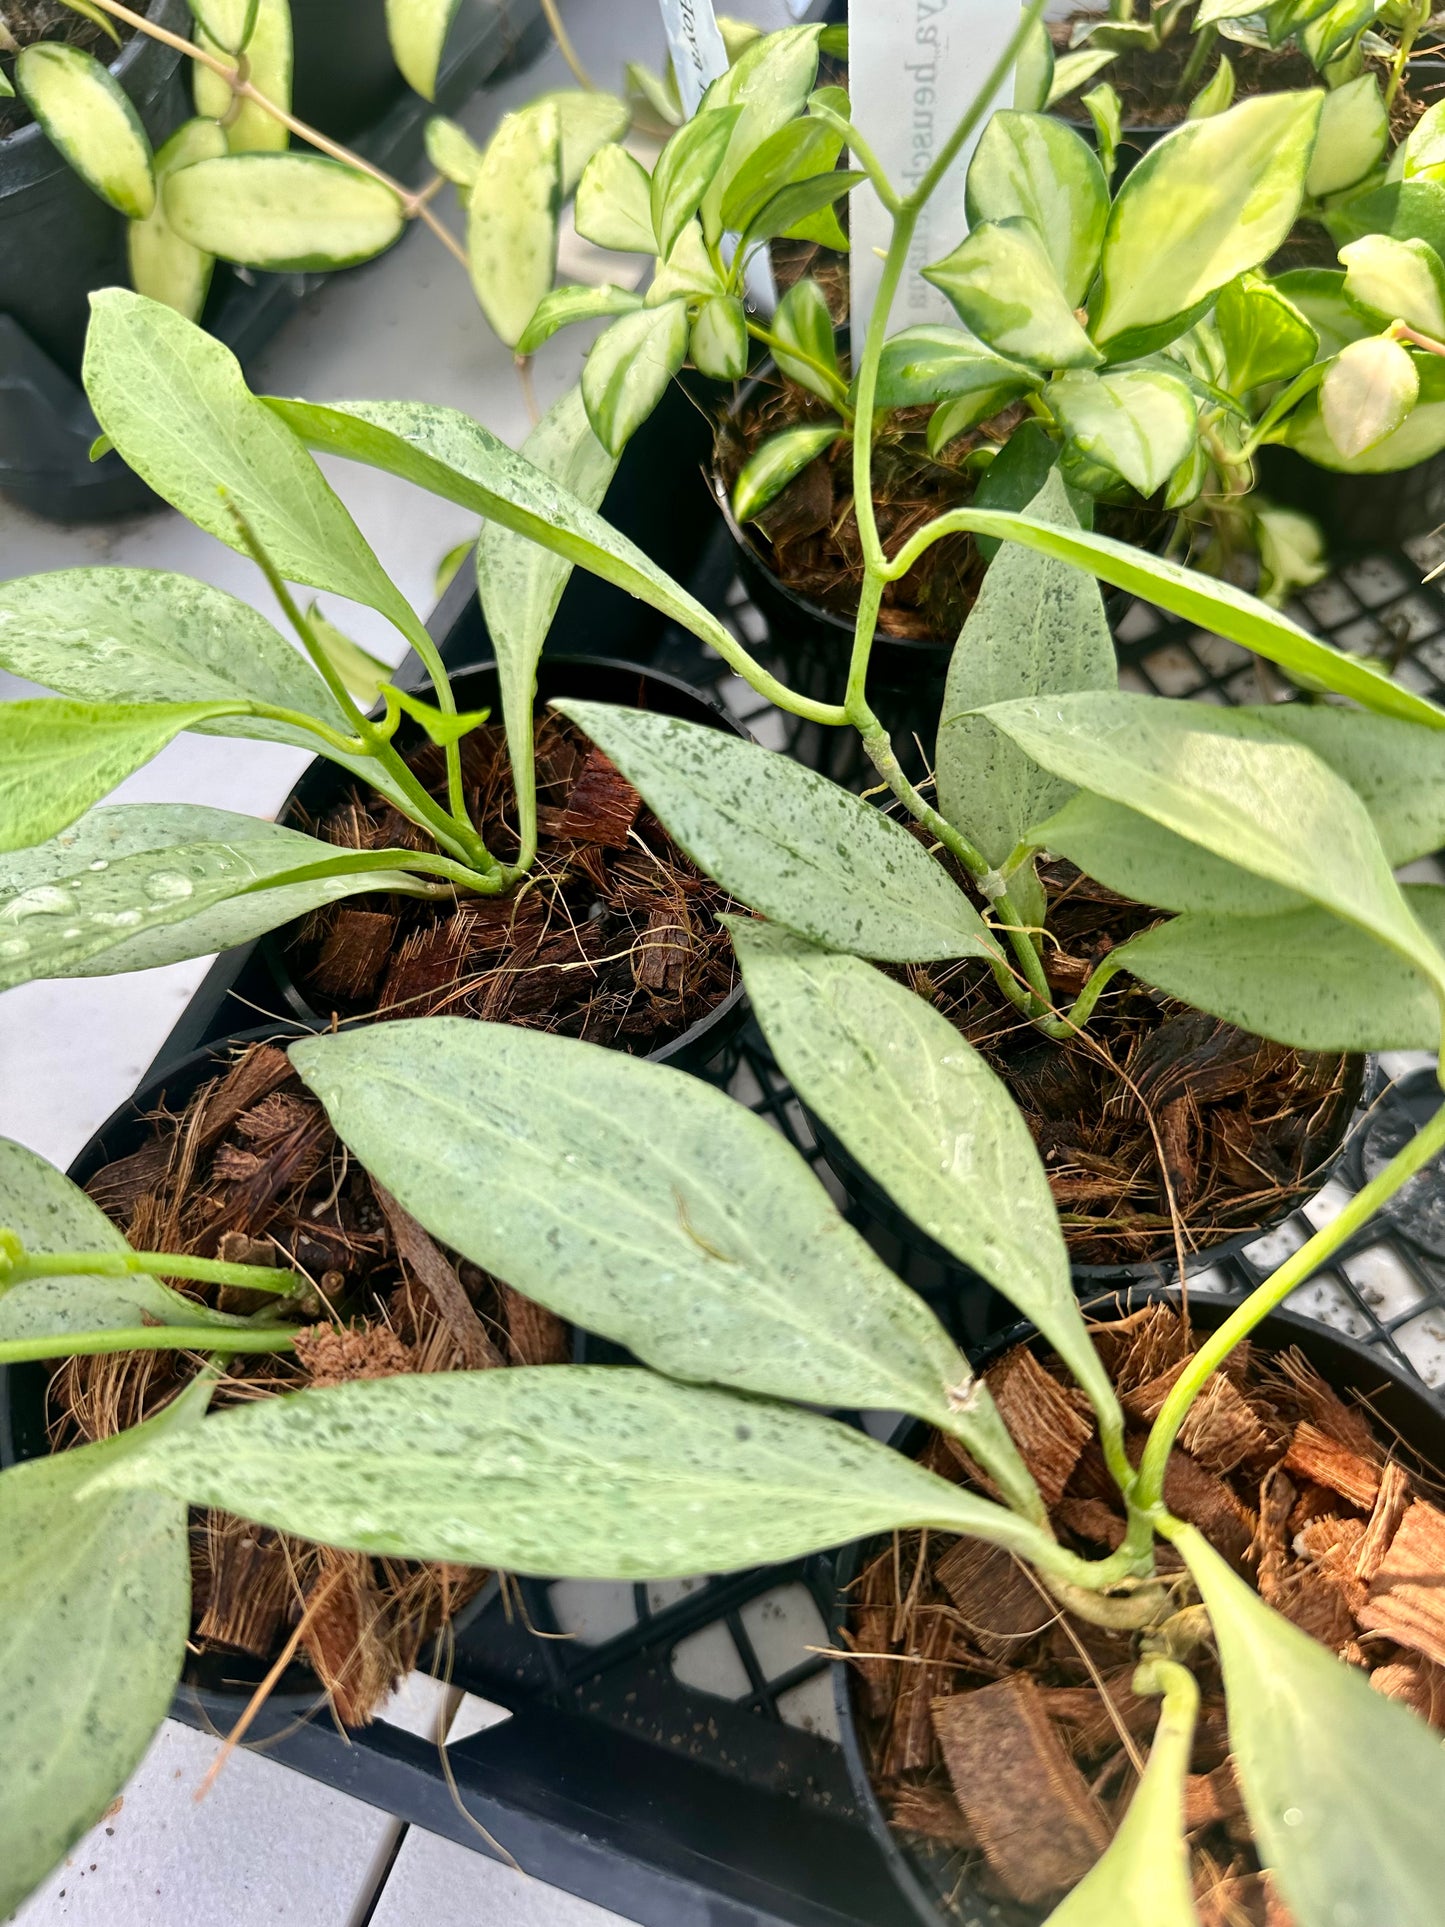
(344, 77)
(1396, 1398)
(58, 239)
(1358, 513)
(964, 1297)
(593, 679)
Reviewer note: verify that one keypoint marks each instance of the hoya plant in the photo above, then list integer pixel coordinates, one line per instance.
(722, 1265)
(228, 184)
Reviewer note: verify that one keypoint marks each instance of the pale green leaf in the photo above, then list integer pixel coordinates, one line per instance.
(1037, 627)
(1107, 113)
(639, 1203)
(454, 456)
(686, 165)
(512, 211)
(1399, 280)
(628, 368)
(587, 121)
(771, 81)
(925, 1116)
(1034, 167)
(1217, 93)
(1395, 768)
(85, 112)
(1420, 435)
(688, 271)
(1145, 862)
(803, 322)
(658, 92)
(932, 363)
(230, 23)
(1266, 338)
(1354, 133)
(283, 212)
(1343, 1787)
(718, 344)
(1139, 422)
(793, 208)
(1366, 394)
(1319, 295)
(797, 150)
(1072, 70)
(597, 1472)
(1143, 1878)
(1002, 282)
(775, 462)
(59, 757)
(94, 1614)
(360, 671)
(1034, 70)
(418, 32)
(521, 583)
(1292, 551)
(1331, 30)
(614, 203)
(143, 884)
(1209, 201)
(452, 151)
(563, 306)
(269, 54)
(1303, 977)
(1423, 149)
(787, 842)
(162, 264)
(1232, 784)
(175, 404)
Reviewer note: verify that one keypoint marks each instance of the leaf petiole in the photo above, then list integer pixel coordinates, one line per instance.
(151, 1264)
(149, 1338)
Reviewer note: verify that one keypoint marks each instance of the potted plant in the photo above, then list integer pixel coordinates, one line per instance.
(726, 1271)
(415, 814)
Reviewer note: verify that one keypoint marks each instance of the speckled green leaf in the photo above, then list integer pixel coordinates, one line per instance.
(924, 1114)
(1209, 201)
(1397, 769)
(175, 404)
(1004, 285)
(512, 211)
(1139, 422)
(283, 212)
(1143, 1878)
(1149, 864)
(58, 757)
(521, 583)
(418, 32)
(627, 371)
(1304, 978)
(596, 1472)
(1265, 336)
(85, 112)
(587, 122)
(637, 1202)
(251, 130)
(1354, 133)
(151, 883)
(1343, 1787)
(787, 842)
(162, 265)
(1037, 627)
(94, 1613)
(1034, 166)
(771, 80)
(614, 203)
(1232, 784)
(775, 462)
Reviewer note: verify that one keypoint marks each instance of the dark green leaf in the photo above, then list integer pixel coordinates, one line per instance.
(1265, 337)
(1003, 284)
(787, 842)
(924, 1114)
(598, 1472)
(1344, 1788)
(628, 368)
(283, 212)
(1037, 627)
(1016, 474)
(1409, 209)
(774, 463)
(1036, 168)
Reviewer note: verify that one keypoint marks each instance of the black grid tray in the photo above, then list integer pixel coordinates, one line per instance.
(669, 1751)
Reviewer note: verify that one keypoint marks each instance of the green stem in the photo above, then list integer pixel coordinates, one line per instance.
(880, 753)
(313, 725)
(1083, 1006)
(1149, 1485)
(155, 1264)
(357, 862)
(149, 1338)
(1413, 22)
(1204, 40)
(838, 388)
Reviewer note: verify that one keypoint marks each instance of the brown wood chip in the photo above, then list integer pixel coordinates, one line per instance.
(1313, 1454)
(1221, 1428)
(1092, 1718)
(911, 1745)
(1091, 1519)
(535, 1336)
(330, 1356)
(354, 952)
(1204, 1500)
(1000, 1604)
(1416, 1681)
(661, 958)
(1407, 1594)
(1048, 1427)
(1270, 1549)
(1026, 1801)
(1211, 1799)
(432, 1269)
(602, 806)
(1391, 1504)
(1347, 1425)
(250, 1586)
(930, 1809)
(342, 1608)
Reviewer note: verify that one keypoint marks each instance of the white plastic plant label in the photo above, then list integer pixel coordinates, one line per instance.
(698, 57)
(913, 67)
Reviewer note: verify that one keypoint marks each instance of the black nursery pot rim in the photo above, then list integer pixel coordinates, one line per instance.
(223, 1678)
(699, 1042)
(1342, 1361)
(27, 154)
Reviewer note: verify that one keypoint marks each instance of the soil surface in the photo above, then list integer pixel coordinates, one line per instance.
(1154, 1101)
(250, 1170)
(1008, 1757)
(613, 937)
(29, 20)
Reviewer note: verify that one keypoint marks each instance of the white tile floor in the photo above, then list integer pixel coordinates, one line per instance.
(266, 1845)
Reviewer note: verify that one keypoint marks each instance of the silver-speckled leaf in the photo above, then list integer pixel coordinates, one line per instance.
(512, 210)
(162, 265)
(285, 213)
